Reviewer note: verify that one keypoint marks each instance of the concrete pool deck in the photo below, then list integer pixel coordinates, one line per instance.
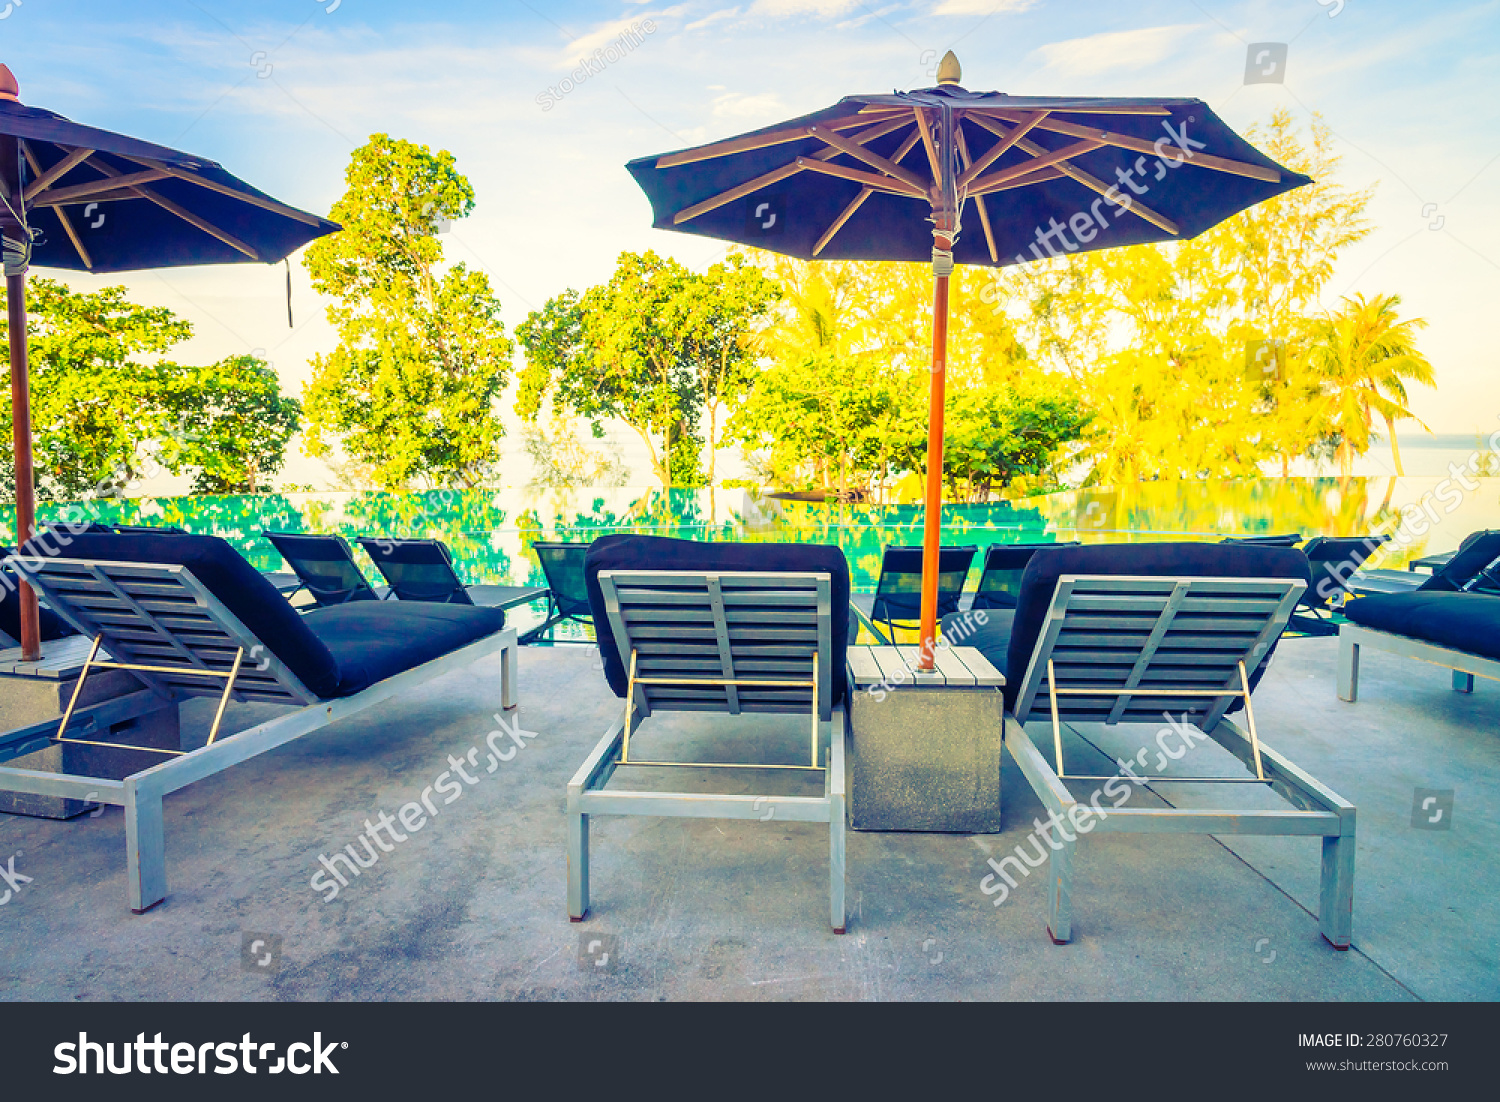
(472, 907)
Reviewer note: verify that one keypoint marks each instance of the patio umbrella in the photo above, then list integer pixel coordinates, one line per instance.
(888, 177)
(84, 199)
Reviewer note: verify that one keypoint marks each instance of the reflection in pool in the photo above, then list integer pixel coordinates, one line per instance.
(490, 531)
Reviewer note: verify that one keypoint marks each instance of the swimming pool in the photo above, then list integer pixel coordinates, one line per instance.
(490, 531)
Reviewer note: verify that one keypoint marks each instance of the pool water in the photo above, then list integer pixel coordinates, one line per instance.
(490, 532)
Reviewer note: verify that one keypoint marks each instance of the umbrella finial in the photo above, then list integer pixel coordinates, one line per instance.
(9, 88)
(948, 70)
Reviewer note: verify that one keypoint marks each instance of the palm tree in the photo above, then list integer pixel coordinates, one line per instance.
(1364, 357)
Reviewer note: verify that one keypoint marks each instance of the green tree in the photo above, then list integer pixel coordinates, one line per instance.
(232, 422)
(1155, 338)
(656, 347)
(1364, 356)
(422, 358)
(104, 415)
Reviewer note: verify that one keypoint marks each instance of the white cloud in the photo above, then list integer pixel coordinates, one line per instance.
(1139, 49)
(982, 7)
(607, 32)
(786, 8)
(711, 18)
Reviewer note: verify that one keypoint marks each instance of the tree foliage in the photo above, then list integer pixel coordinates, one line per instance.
(423, 357)
(1162, 341)
(843, 402)
(107, 411)
(658, 347)
(1364, 355)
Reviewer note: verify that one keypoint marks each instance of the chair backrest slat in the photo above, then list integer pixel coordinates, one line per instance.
(1143, 633)
(720, 626)
(159, 614)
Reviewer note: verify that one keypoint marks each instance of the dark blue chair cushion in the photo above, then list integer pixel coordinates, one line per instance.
(1171, 560)
(1468, 622)
(372, 640)
(236, 584)
(660, 553)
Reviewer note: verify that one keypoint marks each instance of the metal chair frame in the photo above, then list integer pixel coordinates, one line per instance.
(1132, 649)
(729, 642)
(164, 626)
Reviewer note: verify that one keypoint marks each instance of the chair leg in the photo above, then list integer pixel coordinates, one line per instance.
(836, 915)
(1060, 894)
(1348, 674)
(1463, 682)
(578, 865)
(145, 849)
(508, 675)
(1336, 896)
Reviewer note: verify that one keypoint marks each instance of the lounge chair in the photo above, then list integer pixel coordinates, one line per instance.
(898, 593)
(717, 627)
(1332, 561)
(1473, 568)
(324, 566)
(422, 570)
(1127, 634)
(189, 617)
(567, 591)
(1000, 576)
(148, 529)
(1458, 630)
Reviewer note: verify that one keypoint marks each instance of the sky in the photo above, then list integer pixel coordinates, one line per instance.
(281, 91)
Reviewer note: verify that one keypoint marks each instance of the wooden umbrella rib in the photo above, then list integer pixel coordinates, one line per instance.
(869, 179)
(925, 129)
(80, 193)
(844, 216)
(993, 181)
(753, 141)
(45, 179)
(776, 175)
(1007, 140)
(1141, 145)
(234, 193)
(714, 202)
(1039, 176)
(202, 223)
(864, 193)
(984, 215)
(172, 208)
(869, 157)
(1155, 111)
(62, 215)
(1119, 198)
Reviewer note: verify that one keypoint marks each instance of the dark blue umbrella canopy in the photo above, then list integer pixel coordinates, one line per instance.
(102, 202)
(856, 181)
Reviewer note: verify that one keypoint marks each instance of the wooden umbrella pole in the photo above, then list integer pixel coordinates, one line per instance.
(932, 525)
(20, 407)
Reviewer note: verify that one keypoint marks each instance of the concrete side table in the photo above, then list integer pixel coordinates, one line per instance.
(925, 747)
